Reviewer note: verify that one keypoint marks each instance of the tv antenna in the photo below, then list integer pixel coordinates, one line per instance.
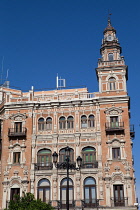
(60, 83)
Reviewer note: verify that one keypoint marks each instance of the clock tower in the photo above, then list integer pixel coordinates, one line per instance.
(111, 71)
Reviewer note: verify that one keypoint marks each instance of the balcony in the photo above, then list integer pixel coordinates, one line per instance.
(86, 164)
(119, 202)
(43, 166)
(114, 126)
(17, 132)
(132, 132)
(62, 204)
(91, 203)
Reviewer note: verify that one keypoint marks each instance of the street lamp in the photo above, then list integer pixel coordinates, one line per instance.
(67, 165)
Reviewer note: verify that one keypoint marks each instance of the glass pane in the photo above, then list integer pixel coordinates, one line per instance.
(49, 120)
(64, 194)
(64, 182)
(91, 157)
(44, 182)
(87, 158)
(86, 194)
(89, 181)
(93, 194)
(40, 194)
(70, 194)
(62, 118)
(47, 194)
(88, 149)
(44, 151)
(116, 194)
(70, 118)
(41, 120)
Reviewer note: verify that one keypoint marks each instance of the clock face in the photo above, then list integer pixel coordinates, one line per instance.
(109, 38)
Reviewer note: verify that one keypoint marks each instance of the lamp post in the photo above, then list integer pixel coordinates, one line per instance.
(67, 165)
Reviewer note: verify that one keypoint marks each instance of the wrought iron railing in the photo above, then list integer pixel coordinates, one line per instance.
(88, 164)
(63, 204)
(110, 126)
(17, 132)
(90, 203)
(44, 166)
(119, 201)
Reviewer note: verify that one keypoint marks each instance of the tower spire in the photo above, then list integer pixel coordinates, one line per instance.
(109, 19)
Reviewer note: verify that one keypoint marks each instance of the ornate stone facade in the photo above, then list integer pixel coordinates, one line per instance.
(94, 125)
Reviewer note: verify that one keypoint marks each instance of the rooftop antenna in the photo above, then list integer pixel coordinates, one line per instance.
(7, 74)
(60, 83)
(2, 69)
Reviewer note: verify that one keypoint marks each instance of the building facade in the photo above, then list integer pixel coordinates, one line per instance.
(96, 126)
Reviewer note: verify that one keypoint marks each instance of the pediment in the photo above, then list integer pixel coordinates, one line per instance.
(18, 117)
(113, 111)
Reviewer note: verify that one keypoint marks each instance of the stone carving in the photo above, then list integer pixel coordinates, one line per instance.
(113, 111)
(18, 117)
(106, 168)
(117, 168)
(117, 176)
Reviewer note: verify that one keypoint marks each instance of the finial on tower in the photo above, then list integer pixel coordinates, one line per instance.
(109, 26)
(109, 19)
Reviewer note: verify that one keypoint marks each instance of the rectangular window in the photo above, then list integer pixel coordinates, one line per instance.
(116, 153)
(16, 157)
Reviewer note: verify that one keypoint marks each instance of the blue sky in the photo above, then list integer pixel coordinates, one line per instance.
(40, 38)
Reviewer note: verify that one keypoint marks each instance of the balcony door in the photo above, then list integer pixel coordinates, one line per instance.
(43, 191)
(63, 191)
(114, 122)
(118, 195)
(89, 157)
(18, 127)
(90, 192)
(44, 159)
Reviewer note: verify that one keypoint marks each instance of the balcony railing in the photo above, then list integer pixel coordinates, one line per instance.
(119, 201)
(114, 126)
(17, 132)
(63, 204)
(132, 131)
(91, 203)
(44, 166)
(86, 164)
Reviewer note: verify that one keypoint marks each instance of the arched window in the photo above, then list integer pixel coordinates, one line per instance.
(70, 122)
(112, 83)
(63, 188)
(62, 155)
(49, 123)
(89, 157)
(41, 124)
(110, 57)
(90, 192)
(44, 159)
(91, 121)
(62, 123)
(84, 121)
(43, 191)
